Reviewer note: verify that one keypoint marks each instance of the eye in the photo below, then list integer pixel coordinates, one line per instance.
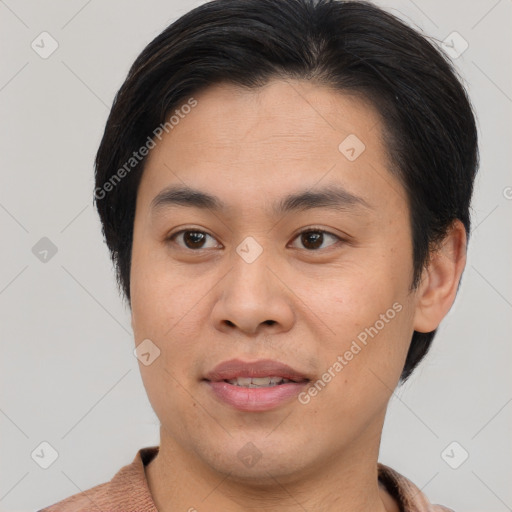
(192, 239)
(313, 239)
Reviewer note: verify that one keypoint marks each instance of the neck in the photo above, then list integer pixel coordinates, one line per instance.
(347, 481)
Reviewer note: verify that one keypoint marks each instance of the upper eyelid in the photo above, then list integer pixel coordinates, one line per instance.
(302, 231)
(181, 231)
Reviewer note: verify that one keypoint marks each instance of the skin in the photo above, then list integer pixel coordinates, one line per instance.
(202, 307)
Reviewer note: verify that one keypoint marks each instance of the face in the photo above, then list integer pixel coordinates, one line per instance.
(254, 280)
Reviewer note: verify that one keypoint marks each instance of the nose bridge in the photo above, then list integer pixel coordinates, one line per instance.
(250, 275)
(251, 292)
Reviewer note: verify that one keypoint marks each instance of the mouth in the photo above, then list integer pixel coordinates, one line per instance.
(258, 382)
(264, 372)
(255, 386)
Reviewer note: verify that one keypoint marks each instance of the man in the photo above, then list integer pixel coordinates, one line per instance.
(284, 186)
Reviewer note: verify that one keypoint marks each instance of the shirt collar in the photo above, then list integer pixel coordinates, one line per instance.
(131, 481)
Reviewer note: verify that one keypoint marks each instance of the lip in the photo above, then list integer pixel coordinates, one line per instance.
(254, 399)
(262, 368)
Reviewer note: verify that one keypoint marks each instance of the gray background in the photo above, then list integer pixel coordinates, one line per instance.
(67, 371)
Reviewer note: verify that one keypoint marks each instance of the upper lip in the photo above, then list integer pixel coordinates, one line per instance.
(234, 368)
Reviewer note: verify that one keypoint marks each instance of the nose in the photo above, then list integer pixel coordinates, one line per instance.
(253, 299)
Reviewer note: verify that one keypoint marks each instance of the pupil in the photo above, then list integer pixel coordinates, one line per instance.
(313, 236)
(193, 237)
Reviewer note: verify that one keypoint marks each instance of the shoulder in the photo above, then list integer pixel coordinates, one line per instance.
(86, 500)
(409, 497)
(127, 491)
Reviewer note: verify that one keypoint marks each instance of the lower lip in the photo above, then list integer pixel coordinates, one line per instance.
(255, 399)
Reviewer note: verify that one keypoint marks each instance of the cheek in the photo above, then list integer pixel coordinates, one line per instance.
(169, 307)
(369, 316)
(164, 310)
(156, 289)
(351, 298)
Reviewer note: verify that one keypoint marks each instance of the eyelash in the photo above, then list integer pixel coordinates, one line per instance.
(172, 237)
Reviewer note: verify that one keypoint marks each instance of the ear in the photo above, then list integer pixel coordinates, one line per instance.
(440, 279)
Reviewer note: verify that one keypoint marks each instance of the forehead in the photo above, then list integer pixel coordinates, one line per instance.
(253, 144)
(284, 114)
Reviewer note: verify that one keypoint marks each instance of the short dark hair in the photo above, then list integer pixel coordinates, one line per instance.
(353, 47)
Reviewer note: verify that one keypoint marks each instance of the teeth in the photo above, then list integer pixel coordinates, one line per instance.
(241, 381)
(257, 382)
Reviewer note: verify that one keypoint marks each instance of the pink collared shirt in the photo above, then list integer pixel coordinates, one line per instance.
(128, 491)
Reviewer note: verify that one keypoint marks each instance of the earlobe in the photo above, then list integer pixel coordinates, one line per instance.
(440, 280)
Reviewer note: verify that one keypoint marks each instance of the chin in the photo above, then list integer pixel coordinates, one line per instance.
(256, 461)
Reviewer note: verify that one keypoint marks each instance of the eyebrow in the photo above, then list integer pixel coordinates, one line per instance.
(331, 197)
